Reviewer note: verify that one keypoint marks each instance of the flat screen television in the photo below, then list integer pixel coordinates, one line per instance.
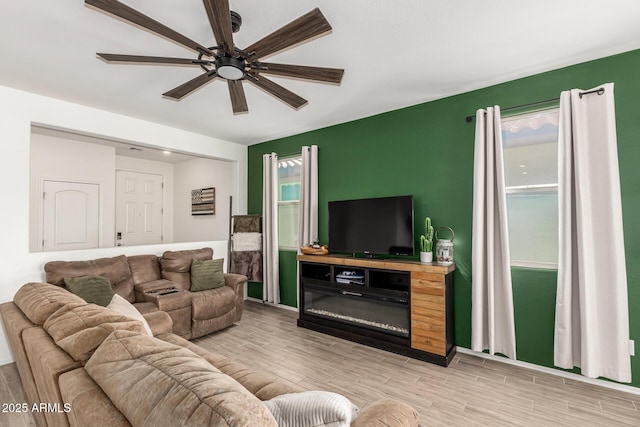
(378, 226)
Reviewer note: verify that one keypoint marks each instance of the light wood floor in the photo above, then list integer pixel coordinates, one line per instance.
(11, 392)
(471, 391)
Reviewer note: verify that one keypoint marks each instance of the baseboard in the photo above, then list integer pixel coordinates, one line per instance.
(282, 306)
(556, 372)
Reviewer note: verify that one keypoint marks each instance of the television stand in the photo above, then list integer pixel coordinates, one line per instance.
(401, 306)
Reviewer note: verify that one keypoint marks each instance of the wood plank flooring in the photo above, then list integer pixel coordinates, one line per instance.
(472, 391)
(11, 392)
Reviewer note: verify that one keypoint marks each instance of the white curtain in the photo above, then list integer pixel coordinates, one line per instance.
(308, 213)
(592, 311)
(492, 323)
(270, 256)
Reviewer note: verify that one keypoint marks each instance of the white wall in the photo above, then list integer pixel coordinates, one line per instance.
(161, 168)
(202, 173)
(18, 111)
(64, 160)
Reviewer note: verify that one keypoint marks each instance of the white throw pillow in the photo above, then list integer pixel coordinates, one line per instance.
(125, 308)
(312, 409)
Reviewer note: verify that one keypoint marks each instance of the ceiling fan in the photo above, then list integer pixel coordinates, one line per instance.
(227, 61)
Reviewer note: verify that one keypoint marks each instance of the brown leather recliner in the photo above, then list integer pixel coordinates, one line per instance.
(144, 280)
(213, 309)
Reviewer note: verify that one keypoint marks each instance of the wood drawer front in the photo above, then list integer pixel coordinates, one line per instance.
(427, 283)
(430, 333)
(428, 317)
(432, 325)
(435, 345)
(430, 302)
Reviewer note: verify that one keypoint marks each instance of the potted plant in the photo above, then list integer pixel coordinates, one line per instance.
(426, 242)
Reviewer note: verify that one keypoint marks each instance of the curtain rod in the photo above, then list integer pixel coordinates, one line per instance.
(290, 154)
(599, 91)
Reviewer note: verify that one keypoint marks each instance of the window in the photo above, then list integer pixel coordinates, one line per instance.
(288, 201)
(530, 144)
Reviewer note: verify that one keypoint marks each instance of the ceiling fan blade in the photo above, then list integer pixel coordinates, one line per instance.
(305, 27)
(238, 100)
(112, 57)
(220, 20)
(322, 74)
(188, 87)
(123, 11)
(276, 90)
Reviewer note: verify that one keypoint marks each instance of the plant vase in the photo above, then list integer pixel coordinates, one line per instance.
(426, 257)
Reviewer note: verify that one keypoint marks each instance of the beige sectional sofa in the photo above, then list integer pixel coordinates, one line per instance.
(143, 280)
(94, 366)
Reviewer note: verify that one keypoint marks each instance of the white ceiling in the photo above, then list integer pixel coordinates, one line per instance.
(395, 54)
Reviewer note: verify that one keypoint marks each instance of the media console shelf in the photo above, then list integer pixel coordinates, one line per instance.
(401, 306)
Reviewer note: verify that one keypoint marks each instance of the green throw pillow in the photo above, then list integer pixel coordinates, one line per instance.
(92, 289)
(206, 274)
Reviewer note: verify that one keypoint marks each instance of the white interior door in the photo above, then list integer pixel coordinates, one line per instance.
(138, 208)
(70, 216)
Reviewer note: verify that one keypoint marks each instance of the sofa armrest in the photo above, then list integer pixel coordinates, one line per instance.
(87, 402)
(159, 322)
(387, 412)
(235, 281)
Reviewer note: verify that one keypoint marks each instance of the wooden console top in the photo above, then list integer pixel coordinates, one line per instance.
(384, 264)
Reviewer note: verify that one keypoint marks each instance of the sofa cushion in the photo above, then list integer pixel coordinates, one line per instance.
(212, 303)
(80, 328)
(144, 268)
(176, 265)
(92, 289)
(124, 307)
(206, 274)
(261, 384)
(115, 269)
(38, 301)
(312, 409)
(156, 383)
(387, 412)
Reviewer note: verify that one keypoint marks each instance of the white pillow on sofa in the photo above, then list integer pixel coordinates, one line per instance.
(125, 308)
(312, 409)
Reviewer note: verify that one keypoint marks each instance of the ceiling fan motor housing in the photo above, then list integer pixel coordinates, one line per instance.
(236, 21)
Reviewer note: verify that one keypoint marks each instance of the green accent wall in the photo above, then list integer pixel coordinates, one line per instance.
(426, 150)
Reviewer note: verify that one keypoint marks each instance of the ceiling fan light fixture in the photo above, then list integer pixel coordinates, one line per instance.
(230, 68)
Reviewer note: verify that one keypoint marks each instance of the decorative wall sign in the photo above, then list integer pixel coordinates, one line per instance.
(203, 201)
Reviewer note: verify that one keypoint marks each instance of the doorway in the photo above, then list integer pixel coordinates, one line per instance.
(138, 208)
(70, 215)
